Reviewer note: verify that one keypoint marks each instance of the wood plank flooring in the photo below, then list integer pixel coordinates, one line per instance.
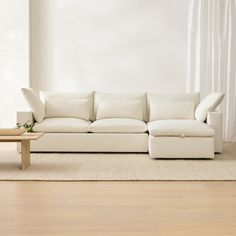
(118, 208)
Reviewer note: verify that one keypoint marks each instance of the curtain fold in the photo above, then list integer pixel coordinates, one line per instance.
(212, 55)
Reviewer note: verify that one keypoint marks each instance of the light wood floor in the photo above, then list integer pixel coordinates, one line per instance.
(118, 208)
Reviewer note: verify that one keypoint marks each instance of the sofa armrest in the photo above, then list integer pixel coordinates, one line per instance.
(24, 116)
(215, 120)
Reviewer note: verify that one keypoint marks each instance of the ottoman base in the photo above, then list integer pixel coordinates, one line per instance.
(178, 147)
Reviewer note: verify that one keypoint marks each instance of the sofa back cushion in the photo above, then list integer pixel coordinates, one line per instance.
(115, 105)
(120, 109)
(171, 110)
(175, 106)
(74, 105)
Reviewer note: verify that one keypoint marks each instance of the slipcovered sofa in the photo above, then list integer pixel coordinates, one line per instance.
(166, 126)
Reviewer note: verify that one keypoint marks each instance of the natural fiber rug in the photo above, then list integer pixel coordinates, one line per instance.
(77, 166)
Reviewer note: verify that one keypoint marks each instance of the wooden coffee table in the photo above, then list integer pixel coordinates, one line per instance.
(25, 145)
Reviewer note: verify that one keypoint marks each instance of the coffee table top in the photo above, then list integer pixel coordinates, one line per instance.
(24, 136)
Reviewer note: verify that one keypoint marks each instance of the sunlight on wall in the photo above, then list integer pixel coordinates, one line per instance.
(118, 45)
(91, 45)
(13, 58)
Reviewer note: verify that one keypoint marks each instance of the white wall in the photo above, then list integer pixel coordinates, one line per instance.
(119, 45)
(14, 63)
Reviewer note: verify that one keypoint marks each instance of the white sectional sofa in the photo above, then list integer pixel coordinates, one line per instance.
(166, 126)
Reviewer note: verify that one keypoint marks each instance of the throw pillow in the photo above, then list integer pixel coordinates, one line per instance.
(208, 104)
(36, 105)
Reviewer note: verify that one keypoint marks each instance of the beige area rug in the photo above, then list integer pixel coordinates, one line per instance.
(77, 166)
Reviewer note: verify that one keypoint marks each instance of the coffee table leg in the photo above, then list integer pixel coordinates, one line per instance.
(25, 154)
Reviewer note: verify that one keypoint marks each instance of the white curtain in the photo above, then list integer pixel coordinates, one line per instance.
(212, 55)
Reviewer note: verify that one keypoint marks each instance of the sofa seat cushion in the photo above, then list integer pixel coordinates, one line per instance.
(188, 128)
(62, 125)
(118, 125)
